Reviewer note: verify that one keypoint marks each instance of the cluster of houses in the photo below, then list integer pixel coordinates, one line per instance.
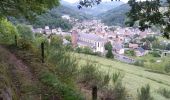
(95, 35)
(48, 31)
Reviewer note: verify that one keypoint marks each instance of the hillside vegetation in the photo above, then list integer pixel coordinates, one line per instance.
(116, 16)
(135, 77)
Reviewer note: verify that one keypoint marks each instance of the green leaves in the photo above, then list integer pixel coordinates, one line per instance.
(148, 13)
(7, 31)
(26, 8)
(144, 93)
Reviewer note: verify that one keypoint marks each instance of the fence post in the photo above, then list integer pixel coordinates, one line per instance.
(42, 52)
(94, 93)
(16, 41)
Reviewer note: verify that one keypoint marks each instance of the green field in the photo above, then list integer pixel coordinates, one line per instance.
(135, 77)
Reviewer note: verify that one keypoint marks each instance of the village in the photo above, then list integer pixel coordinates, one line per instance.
(94, 34)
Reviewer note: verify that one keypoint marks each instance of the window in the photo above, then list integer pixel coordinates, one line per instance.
(98, 44)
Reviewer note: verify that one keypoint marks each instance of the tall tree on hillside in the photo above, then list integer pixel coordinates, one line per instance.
(147, 13)
(25, 8)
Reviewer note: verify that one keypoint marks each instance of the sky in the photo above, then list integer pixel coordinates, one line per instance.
(73, 1)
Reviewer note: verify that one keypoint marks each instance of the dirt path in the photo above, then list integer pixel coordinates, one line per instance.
(21, 75)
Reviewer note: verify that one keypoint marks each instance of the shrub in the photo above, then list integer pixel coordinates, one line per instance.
(60, 88)
(167, 68)
(144, 93)
(139, 63)
(155, 54)
(164, 92)
(130, 52)
(91, 76)
(152, 60)
(109, 54)
(117, 92)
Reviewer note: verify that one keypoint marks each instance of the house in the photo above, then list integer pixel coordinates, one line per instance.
(140, 52)
(66, 42)
(47, 30)
(118, 48)
(133, 46)
(93, 41)
(38, 30)
(54, 31)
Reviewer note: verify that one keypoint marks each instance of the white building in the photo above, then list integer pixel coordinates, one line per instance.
(93, 41)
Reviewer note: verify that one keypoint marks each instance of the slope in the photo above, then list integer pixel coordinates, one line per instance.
(135, 77)
(116, 16)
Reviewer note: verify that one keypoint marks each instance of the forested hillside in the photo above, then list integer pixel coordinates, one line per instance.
(53, 18)
(116, 16)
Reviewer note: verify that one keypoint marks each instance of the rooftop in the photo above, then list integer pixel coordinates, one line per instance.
(91, 37)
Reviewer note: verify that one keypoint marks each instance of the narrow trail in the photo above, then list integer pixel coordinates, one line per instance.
(20, 74)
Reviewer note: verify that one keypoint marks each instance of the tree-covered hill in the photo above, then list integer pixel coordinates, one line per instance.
(116, 16)
(53, 18)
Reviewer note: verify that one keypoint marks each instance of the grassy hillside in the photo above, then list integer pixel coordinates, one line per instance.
(135, 77)
(115, 16)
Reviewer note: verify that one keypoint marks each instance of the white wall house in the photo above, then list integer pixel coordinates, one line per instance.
(93, 41)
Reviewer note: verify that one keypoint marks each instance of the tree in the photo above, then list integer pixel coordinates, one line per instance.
(7, 31)
(109, 54)
(26, 36)
(168, 46)
(146, 13)
(25, 8)
(108, 46)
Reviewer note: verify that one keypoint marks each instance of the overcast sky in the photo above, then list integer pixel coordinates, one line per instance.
(73, 1)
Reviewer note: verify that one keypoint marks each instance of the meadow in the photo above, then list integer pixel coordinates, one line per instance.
(134, 76)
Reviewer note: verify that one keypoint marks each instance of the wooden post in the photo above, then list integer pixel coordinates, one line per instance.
(16, 41)
(42, 52)
(94, 93)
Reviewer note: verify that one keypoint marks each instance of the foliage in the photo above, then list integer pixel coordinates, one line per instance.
(139, 63)
(164, 92)
(157, 45)
(168, 46)
(117, 78)
(109, 54)
(155, 54)
(149, 38)
(68, 38)
(117, 92)
(87, 50)
(26, 36)
(167, 68)
(130, 52)
(90, 75)
(56, 41)
(53, 20)
(65, 92)
(7, 31)
(108, 46)
(26, 8)
(148, 13)
(144, 93)
(115, 16)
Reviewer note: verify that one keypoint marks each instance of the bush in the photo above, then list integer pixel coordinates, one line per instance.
(60, 88)
(139, 63)
(7, 32)
(130, 52)
(144, 93)
(90, 75)
(117, 92)
(109, 54)
(164, 92)
(167, 68)
(155, 54)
